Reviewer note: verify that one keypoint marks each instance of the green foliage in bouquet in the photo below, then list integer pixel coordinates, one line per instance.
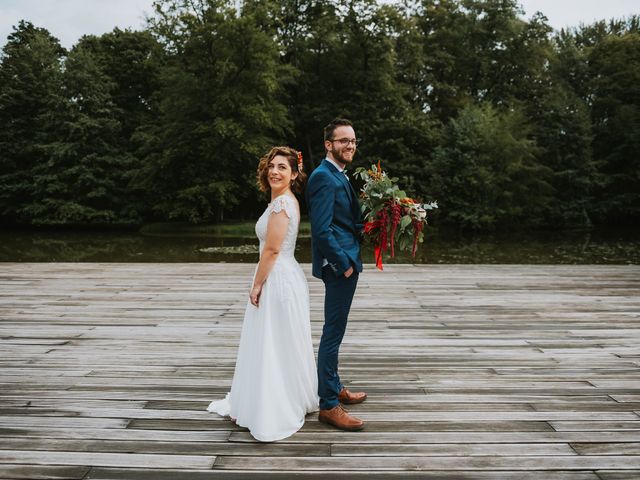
(391, 217)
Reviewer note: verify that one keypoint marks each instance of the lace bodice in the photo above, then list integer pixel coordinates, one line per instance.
(290, 207)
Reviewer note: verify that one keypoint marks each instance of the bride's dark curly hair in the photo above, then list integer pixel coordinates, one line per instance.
(295, 162)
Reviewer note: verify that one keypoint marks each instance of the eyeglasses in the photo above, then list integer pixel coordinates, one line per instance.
(346, 141)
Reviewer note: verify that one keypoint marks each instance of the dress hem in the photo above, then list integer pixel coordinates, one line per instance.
(223, 410)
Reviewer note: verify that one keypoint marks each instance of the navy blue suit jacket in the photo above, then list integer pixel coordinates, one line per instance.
(335, 215)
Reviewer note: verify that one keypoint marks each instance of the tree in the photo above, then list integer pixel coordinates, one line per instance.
(485, 174)
(132, 61)
(83, 180)
(32, 96)
(478, 51)
(220, 109)
(559, 113)
(563, 133)
(614, 67)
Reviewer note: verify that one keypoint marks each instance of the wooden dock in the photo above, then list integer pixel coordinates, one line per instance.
(507, 372)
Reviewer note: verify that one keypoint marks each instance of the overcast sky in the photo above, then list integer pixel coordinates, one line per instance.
(68, 20)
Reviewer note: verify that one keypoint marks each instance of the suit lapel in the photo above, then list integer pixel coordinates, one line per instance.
(355, 205)
(341, 177)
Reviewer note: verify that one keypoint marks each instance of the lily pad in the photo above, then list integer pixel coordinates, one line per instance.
(241, 249)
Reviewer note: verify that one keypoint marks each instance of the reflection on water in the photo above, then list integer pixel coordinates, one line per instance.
(569, 247)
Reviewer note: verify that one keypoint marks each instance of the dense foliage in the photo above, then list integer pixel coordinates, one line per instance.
(500, 119)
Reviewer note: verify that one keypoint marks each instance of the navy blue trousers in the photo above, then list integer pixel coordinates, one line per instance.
(338, 297)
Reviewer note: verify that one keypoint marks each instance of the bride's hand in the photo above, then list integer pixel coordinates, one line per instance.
(254, 295)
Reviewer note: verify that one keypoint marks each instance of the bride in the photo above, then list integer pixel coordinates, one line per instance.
(275, 381)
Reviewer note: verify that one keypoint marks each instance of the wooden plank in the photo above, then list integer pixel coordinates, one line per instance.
(311, 425)
(150, 474)
(618, 474)
(120, 434)
(525, 463)
(42, 457)
(42, 472)
(164, 447)
(626, 448)
(594, 425)
(452, 450)
(462, 437)
(132, 474)
(67, 422)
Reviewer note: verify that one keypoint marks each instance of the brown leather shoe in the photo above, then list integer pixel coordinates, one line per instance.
(340, 418)
(350, 398)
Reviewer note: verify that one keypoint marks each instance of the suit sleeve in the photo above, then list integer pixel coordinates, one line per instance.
(321, 198)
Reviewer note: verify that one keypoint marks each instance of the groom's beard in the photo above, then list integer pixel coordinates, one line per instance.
(337, 155)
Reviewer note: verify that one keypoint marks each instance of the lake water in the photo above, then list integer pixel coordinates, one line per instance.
(612, 246)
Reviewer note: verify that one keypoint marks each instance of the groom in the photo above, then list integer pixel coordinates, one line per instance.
(334, 212)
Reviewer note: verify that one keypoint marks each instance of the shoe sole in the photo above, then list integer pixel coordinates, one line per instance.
(348, 429)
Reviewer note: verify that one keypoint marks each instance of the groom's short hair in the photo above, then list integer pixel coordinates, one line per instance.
(335, 123)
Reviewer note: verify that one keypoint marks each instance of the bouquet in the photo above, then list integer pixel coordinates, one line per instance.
(392, 219)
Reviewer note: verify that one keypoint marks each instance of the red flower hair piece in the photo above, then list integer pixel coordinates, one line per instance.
(300, 164)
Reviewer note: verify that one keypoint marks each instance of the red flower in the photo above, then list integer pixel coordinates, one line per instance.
(396, 214)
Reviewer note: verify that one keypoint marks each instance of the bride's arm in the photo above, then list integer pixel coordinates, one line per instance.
(276, 231)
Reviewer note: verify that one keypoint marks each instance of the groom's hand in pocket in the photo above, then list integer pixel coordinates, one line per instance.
(348, 273)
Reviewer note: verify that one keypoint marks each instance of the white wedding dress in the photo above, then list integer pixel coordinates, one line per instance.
(275, 382)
